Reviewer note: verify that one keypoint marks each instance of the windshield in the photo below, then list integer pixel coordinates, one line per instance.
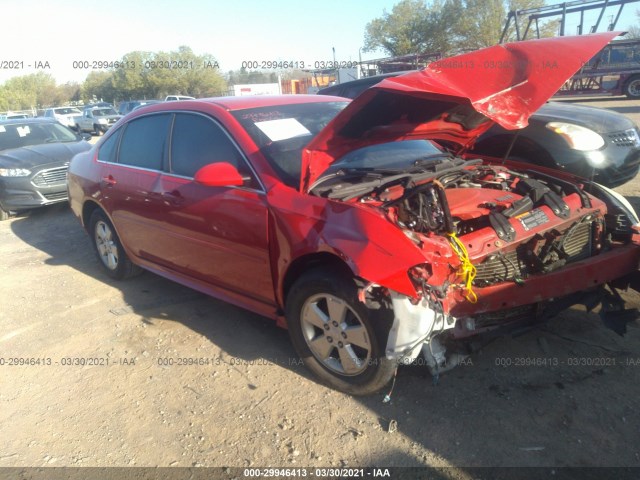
(17, 135)
(101, 112)
(360, 170)
(390, 156)
(281, 132)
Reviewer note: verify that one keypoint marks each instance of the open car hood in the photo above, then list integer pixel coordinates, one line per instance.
(454, 100)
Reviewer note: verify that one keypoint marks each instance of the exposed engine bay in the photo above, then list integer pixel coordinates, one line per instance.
(446, 204)
(512, 224)
(491, 207)
(504, 227)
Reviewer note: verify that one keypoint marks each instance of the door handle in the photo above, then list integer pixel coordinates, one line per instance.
(109, 181)
(173, 197)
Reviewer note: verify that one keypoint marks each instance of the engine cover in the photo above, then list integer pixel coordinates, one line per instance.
(470, 203)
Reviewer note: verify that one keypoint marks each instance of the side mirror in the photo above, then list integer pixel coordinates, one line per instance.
(85, 136)
(220, 174)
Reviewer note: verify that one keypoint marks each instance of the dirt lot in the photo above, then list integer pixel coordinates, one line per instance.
(565, 395)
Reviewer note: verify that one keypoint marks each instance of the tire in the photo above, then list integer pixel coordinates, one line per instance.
(108, 248)
(344, 346)
(632, 87)
(98, 130)
(4, 215)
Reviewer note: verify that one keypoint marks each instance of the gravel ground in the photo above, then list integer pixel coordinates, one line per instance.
(169, 377)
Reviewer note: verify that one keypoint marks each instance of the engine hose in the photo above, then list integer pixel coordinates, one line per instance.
(444, 205)
(467, 270)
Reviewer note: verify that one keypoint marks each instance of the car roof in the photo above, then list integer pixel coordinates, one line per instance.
(372, 80)
(237, 103)
(255, 101)
(22, 121)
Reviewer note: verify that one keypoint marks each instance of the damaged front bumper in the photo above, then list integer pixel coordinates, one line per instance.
(424, 328)
(415, 330)
(576, 277)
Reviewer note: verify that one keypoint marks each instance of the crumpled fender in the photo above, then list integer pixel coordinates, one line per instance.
(362, 237)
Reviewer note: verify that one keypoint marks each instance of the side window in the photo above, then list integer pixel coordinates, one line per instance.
(144, 141)
(198, 141)
(109, 148)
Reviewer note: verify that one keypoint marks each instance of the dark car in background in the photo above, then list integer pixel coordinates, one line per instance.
(34, 158)
(127, 106)
(593, 143)
(145, 104)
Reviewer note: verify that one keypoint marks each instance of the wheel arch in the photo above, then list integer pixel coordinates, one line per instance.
(87, 210)
(305, 263)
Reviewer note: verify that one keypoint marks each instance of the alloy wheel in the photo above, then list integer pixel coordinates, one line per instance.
(107, 248)
(335, 334)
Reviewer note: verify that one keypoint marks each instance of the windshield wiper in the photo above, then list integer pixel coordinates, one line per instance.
(359, 189)
(378, 184)
(353, 172)
(369, 171)
(434, 163)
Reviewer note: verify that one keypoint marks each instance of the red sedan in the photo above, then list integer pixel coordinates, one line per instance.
(361, 227)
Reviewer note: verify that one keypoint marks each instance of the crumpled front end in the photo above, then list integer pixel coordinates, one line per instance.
(504, 249)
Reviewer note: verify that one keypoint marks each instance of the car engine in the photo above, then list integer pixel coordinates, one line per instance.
(512, 224)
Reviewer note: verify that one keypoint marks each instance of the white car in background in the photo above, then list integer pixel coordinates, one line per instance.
(171, 98)
(67, 116)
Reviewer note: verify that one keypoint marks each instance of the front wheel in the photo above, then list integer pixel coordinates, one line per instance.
(338, 337)
(632, 87)
(98, 129)
(108, 248)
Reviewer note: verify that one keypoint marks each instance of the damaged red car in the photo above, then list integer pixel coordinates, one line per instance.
(363, 227)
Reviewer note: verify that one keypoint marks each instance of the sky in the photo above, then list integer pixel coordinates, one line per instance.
(61, 32)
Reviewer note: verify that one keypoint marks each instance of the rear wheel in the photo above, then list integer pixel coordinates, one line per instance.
(108, 248)
(632, 87)
(4, 215)
(339, 338)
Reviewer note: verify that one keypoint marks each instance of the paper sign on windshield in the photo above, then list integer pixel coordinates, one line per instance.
(282, 129)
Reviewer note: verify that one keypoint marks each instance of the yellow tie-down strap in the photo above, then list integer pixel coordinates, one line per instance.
(467, 270)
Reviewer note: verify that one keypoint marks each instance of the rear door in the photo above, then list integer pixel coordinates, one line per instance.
(129, 183)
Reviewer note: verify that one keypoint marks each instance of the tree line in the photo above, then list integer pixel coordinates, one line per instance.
(137, 75)
(412, 27)
(445, 26)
